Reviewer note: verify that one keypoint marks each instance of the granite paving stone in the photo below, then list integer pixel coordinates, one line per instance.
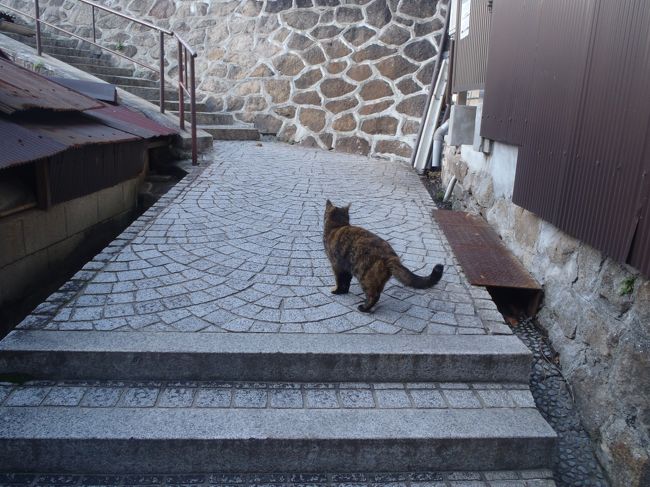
(228, 251)
(281, 395)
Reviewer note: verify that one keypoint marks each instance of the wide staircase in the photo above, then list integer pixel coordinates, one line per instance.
(173, 403)
(222, 126)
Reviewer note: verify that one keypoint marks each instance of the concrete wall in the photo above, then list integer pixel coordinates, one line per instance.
(348, 75)
(36, 243)
(601, 331)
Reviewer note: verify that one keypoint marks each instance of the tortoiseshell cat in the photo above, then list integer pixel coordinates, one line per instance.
(355, 251)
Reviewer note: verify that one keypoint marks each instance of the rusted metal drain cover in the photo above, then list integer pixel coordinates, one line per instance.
(484, 258)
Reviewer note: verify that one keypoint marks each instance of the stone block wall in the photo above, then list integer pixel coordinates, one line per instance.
(352, 75)
(35, 244)
(596, 311)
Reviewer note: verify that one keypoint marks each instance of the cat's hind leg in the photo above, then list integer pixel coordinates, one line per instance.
(372, 285)
(343, 279)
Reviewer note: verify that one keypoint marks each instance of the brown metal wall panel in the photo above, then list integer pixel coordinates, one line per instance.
(640, 253)
(602, 181)
(471, 53)
(511, 62)
(549, 103)
(567, 83)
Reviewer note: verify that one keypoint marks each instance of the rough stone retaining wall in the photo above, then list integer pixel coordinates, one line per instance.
(596, 311)
(348, 75)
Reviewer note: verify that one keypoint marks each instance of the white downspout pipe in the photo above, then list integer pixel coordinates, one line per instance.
(438, 137)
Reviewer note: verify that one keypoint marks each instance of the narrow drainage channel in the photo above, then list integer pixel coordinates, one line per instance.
(574, 461)
(160, 179)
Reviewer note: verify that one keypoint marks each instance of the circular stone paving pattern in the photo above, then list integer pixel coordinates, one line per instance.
(240, 250)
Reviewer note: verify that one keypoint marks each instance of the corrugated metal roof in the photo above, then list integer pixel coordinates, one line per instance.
(127, 120)
(98, 90)
(22, 89)
(19, 145)
(75, 130)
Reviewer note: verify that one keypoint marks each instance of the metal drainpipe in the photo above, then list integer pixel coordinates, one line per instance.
(438, 137)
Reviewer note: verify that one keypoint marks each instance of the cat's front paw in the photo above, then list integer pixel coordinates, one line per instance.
(338, 290)
(363, 308)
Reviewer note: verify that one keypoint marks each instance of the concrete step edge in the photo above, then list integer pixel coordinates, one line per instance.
(502, 478)
(107, 70)
(115, 441)
(263, 356)
(131, 81)
(210, 118)
(232, 132)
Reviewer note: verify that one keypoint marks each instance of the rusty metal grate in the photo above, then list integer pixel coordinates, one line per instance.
(481, 253)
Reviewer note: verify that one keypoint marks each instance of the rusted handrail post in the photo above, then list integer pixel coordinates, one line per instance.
(162, 72)
(94, 30)
(181, 87)
(193, 107)
(37, 14)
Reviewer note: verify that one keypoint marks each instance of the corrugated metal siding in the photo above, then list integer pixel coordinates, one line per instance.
(471, 53)
(90, 168)
(578, 108)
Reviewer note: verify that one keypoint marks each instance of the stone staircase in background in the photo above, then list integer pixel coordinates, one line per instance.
(222, 126)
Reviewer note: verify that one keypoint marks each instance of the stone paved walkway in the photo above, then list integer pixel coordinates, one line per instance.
(237, 247)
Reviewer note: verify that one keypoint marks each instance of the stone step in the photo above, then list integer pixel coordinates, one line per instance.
(84, 60)
(123, 81)
(150, 93)
(64, 51)
(105, 70)
(211, 118)
(263, 356)
(485, 478)
(232, 132)
(46, 40)
(172, 104)
(265, 427)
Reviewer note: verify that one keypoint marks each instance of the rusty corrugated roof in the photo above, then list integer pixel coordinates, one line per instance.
(19, 145)
(75, 130)
(130, 121)
(22, 89)
(98, 90)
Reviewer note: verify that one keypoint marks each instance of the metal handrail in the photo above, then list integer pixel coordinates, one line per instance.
(183, 50)
(127, 17)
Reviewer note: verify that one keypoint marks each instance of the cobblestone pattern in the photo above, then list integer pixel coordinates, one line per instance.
(574, 461)
(238, 247)
(521, 478)
(113, 394)
(353, 76)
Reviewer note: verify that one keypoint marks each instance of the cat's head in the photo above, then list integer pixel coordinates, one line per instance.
(334, 214)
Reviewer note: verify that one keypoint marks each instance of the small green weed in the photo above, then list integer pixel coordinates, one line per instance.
(627, 286)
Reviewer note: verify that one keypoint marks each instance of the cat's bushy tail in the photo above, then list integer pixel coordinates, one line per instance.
(406, 277)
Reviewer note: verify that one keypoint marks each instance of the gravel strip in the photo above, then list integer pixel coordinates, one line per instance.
(574, 462)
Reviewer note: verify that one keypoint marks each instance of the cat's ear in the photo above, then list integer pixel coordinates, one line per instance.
(328, 204)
